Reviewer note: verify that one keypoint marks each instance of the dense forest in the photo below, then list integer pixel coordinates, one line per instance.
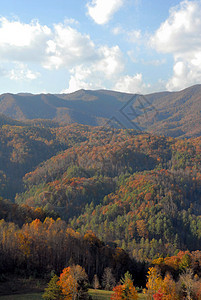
(100, 198)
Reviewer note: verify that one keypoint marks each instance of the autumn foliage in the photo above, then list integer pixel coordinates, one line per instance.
(126, 290)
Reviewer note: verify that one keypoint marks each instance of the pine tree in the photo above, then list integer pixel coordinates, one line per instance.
(53, 290)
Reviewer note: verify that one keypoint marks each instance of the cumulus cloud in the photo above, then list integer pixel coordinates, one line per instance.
(132, 84)
(83, 77)
(94, 75)
(180, 35)
(67, 47)
(22, 42)
(101, 11)
(21, 72)
(60, 47)
(63, 47)
(110, 61)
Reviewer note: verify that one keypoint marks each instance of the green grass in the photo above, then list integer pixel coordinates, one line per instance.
(106, 295)
(100, 295)
(96, 295)
(142, 297)
(22, 297)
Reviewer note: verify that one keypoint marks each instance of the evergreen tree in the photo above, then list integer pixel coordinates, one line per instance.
(53, 290)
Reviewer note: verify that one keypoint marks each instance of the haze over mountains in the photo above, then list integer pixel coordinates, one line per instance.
(176, 114)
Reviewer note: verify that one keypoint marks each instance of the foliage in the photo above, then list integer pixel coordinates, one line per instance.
(73, 283)
(53, 290)
(125, 291)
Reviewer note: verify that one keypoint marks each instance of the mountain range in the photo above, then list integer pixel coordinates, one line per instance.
(121, 198)
(176, 114)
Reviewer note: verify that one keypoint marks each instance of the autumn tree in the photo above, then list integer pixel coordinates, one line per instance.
(126, 290)
(187, 284)
(167, 290)
(154, 282)
(73, 282)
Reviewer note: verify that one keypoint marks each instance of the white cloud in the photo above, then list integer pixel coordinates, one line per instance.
(95, 75)
(101, 11)
(118, 30)
(134, 36)
(21, 73)
(180, 35)
(83, 77)
(110, 62)
(62, 47)
(71, 21)
(68, 47)
(22, 42)
(132, 84)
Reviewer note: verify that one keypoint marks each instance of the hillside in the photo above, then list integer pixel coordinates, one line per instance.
(139, 191)
(176, 114)
(96, 196)
(24, 146)
(179, 113)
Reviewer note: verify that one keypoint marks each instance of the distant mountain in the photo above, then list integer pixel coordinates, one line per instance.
(176, 114)
(4, 120)
(84, 107)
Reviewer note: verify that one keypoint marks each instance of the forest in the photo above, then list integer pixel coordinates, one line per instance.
(99, 203)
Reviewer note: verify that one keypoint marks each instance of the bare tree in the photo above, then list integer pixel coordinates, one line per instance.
(108, 280)
(95, 283)
(186, 284)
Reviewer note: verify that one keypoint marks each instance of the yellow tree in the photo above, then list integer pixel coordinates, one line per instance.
(73, 283)
(154, 282)
(125, 291)
(167, 290)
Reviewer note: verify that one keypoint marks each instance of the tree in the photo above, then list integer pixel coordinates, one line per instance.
(186, 283)
(167, 290)
(95, 283)
(126, 277)
(108, 280)
(53, 290)
(154, 282)
(125, 291)
(73, 282)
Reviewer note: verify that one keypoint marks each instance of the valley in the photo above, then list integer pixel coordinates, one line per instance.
(99, 196)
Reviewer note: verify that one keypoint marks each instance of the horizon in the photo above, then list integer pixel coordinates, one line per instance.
(98, 90)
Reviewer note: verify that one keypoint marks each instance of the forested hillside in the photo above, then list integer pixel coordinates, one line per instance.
(125, 197)
(138, 190)
(176, 114)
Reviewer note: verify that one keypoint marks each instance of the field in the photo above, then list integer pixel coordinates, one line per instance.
(96, 295)
(22, 297)
(100, 295)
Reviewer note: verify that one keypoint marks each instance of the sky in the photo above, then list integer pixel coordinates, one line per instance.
(134, 46)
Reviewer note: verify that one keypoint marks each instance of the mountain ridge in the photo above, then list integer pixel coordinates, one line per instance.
(176, 114)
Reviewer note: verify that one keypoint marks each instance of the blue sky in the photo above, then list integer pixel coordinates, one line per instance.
(135, 46)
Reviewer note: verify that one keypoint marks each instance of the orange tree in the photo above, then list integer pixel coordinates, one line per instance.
(126, 290)
(159, 288)
(73, 283)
